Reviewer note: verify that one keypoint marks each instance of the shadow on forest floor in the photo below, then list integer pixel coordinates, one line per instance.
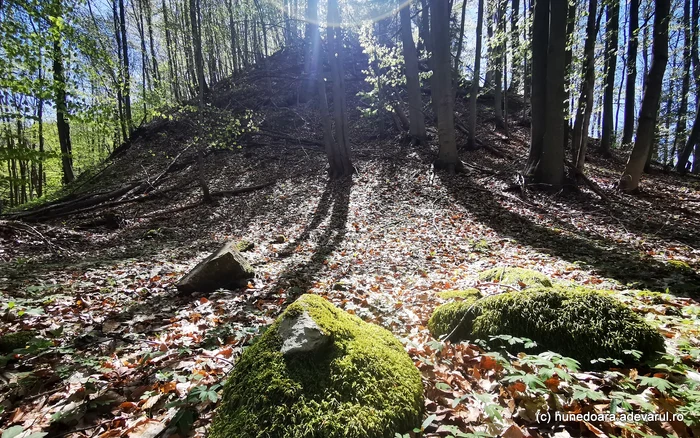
(616, 259)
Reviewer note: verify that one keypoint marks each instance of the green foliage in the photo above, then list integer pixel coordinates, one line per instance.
(363, 385)
(584, 325)
(17, 340)
(515, 277)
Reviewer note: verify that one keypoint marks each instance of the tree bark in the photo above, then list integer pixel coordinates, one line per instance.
(443, 99)
(585, 103)
(694, 138)
(652, 97)
(197, 43)
(474, 93)
(631, 85)
(340, 159)
(59, 78)
(681, 124)
(410, 56)
(611, 43)
(546, 160)
(126, 76)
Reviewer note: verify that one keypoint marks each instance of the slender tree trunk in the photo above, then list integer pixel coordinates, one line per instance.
(585, 103)
(570, 30)
(631, 85)
(197, 43)
(497, 62)
(474, 93)
(681, 124)
(126, 72)
(443, 98)
(59, 78)
(517, 73)
(539, 45)
(527, 67)
(458, 57)
(415, 100)
(611, 44)
(652, 97)
(172, 73)
(340, 161)
(694, 138)
(424, 30)
(154, 59)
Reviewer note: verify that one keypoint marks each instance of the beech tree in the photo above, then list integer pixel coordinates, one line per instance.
(611, 43)
(629, 180)
(585, 102)
(410, 56)
(545, 165)
(443, 98)
(474, 93)
(631, 80)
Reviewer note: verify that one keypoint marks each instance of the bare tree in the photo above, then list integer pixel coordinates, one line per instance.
(443, 98)
(652, 98)
(410, 56)
(631, 84)
(611, 43)
(545, 164)
(474, 93)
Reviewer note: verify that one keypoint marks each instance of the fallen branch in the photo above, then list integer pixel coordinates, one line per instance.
(20, 226)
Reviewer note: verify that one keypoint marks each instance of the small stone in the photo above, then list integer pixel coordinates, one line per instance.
(301, 334)
(227, 268)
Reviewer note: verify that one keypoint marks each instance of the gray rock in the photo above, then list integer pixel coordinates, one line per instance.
(301, 334)
(225, 269)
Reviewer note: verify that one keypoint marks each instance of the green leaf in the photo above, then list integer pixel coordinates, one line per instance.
(12, 432)
(427, 422)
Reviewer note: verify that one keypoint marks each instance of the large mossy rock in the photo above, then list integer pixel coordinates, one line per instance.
(360, 385)
(227, 268)
(578, 323)
(516, 277)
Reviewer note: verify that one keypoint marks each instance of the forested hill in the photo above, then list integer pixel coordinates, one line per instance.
(469, 263)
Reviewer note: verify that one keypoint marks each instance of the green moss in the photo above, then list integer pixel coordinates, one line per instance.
(680, 265)
(244, 245)
(13, 341)
(460, 294)
(515, 276)
(585, 325)
(363, 385)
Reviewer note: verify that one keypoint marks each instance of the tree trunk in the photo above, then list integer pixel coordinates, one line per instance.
(694, 138)
(172, 73)
(546, 160)
(59, 78)
(570, 30)
(197, 43)
(585, 103)
(461, 37)
(681, 124)
(125, 73)
(415, 100)
(443, 99)
(652, 97)
(497, 62)
(340, 161)
(474, 93)
(611, 43)
(631, 85)
(538, 104)
(516, 75)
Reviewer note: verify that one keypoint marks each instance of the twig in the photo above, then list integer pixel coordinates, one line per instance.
(507, 286)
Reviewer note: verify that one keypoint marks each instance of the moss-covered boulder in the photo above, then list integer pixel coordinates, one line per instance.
(515, 277)
(578, 323)
(363, 384)
(13, 341)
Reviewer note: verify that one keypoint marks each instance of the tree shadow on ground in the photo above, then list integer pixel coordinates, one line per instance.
(333, 206)
(609, 258)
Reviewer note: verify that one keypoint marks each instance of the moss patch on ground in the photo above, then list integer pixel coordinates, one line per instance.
(13, 341)
(467, 294)
(578, 323)
(362, 385)
(515, 277)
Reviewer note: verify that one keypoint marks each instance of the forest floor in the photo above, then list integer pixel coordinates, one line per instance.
(127, 355)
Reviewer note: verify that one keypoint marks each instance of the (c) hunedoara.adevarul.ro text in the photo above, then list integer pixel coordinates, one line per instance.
(624, 417)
